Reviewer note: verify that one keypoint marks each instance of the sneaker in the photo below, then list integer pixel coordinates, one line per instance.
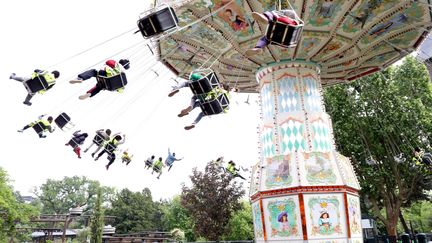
(85, 151)
(42, 136)
(76, 81)
(96, 158)
(85, 96)
(260, 18)
(172, 93)
(184, 112)
(189, 127)
(93, 154)
(12, 75)
(254, 51)
(27, 103)
(106, 166)
(79, 157)
(21, 130)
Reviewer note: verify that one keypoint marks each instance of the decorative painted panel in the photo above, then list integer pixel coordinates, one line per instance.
(318, 169)
(325, 216)
(292, 136)
(354, 215)
(347, 171)
(320, 135)
(311, 93)
(289, 94)
(279, 172)
(257, 217)
(283, 219)
(267, 101)
(255, 179)
(267, 142)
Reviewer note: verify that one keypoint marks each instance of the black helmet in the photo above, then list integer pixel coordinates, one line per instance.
(56, 74)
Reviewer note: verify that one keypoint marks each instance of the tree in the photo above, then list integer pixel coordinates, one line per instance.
(58, 196)
(133, 211)
(241, 224)
(13, 213)
(378, 120)
(211, 200)
(97, 219)
(175, 216)
(420, 216)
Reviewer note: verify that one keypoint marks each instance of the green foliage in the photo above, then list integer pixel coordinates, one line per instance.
(377, 118)
(178, 235)
(13, 212)
(240, 225)
(82, 235)
(58, 196)
(420, 216)
(211, 200)
(176, 216)
(134, 211)
(97, 220)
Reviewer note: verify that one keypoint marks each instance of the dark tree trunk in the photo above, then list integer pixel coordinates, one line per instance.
(404, 224)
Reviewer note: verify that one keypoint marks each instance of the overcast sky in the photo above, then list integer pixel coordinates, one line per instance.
(45, 34)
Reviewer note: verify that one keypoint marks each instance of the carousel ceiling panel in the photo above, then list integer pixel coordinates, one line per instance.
(347, 38)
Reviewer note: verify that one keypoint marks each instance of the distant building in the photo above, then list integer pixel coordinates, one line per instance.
(28, 199)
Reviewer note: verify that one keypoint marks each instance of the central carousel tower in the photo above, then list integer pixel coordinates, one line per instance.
(302, 189)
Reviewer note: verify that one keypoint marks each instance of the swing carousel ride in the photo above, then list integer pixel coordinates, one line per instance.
(302, 189)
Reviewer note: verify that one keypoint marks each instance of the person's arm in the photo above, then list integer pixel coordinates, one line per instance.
(123, 140)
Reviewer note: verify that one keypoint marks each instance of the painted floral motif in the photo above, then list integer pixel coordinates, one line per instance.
(319, 169)
(325, 216)
(278, 171)
(258, 226)
(283, 218)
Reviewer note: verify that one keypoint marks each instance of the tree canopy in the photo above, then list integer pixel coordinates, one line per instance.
(378, 121)
(211, 200)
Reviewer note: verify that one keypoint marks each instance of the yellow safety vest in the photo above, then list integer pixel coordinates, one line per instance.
(112, 71)
(46, 124)
(49, 78)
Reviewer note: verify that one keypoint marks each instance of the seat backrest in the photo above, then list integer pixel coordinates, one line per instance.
(39, 127)
(204, 85)
(113, 83)
(283, 34)
(36, 84)
(98, 139)
(157, 22)
(215, 106)
(110, 148)
(62, 120)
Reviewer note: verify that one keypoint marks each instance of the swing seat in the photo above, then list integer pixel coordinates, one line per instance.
(126, 160)
(284, 35)
(156, 22)
(215, 106)
(63, 121)
(36, 84)
(205, 84)
(73, 143)
(112, 83)
(157, 169)
(39, 127)
(98, 139)
(109, 148)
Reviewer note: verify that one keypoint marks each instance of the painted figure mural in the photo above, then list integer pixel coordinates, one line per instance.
(283, 218)
(325, 216)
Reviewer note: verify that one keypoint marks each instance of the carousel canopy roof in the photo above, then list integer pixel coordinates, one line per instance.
(346, 39)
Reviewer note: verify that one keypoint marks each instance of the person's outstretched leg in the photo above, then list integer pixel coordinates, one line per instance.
(27, 99)
(238, 175)
(197, 119)
(100, 154)
(111, 160)
(17, 78)
(193, 104)
(177, 88)
(84, 76)
(77, 151)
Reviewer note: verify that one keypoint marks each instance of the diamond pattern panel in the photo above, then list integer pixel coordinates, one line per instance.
(268, 147)
(292, 136)
(312, 95)
(289, 96)
(321, 139)
(267, 102)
